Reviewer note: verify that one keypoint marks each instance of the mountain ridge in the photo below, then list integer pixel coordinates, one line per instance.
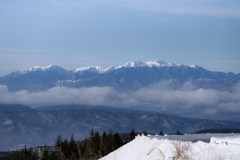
(130, 76)
(100, 70)
(30, 126)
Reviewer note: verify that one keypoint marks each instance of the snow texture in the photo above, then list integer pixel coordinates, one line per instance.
(148, 64)
(93, 69)
(100, 70)
(35, 68)
(170, 147)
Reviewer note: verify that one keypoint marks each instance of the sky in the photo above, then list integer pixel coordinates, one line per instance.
(74, 33)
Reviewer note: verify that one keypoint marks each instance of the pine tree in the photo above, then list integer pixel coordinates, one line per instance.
(6, 158)
(132, 135)
(126, 140)
(103, 145)
(84, 147)
(117, 141)
(26, 154)
(178, 133)
(54, 156)
(92, 134)
(34, 156)
(58, 141)
(73, 147)
(65, 148)
(91, 146)
(145, 133)
(45, 153)
(87, 150)
(96, 142)
(110, 133)
(109, 144)
(161, 132)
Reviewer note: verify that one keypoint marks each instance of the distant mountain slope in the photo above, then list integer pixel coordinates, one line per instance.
(34, 79)
(30, 126)
(14, 108)
(131, 76)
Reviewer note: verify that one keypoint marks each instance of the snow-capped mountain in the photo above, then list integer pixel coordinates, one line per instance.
(39, 69)
(99, 69)
(35, 68)
(130, 76)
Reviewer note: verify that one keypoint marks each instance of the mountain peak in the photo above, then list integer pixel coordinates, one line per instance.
(93, 69)
(193, 66)
(42, 68)
(148, 64)
(37, 68)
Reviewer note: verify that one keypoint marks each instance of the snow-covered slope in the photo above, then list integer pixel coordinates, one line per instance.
(148, 64)
(94, 69)
(35, 68)
(100, 70)
(135, 64)
(169, 147)
(39, 68)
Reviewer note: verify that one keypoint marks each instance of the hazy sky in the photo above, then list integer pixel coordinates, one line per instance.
(78, 33)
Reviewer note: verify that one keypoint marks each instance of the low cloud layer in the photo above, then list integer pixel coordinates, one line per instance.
(160, 95)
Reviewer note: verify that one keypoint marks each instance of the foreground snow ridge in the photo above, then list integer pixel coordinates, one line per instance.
(221, 146)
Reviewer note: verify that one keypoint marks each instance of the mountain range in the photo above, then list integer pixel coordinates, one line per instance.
(129, 77)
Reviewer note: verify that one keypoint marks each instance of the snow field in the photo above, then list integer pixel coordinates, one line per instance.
(170, 147)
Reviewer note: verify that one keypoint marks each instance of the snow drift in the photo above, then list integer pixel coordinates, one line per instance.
(221, 146)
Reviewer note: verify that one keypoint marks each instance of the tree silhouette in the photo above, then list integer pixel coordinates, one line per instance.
(45, 153)
(132, 134)
(178, 133)
(161, 132)
(145, 133)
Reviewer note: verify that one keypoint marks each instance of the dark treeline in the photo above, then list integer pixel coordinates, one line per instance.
(98, 145)
(92, 148)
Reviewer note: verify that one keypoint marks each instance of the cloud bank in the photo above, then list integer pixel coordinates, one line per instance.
(161, 95)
